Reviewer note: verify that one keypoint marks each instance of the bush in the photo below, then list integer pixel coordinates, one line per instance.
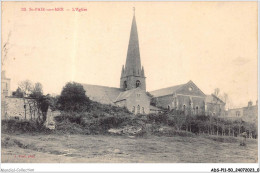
(97, 121)
(11, 126)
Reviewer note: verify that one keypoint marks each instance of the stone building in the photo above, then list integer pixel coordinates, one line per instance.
(185, 97)
(214, 105)
(132, 92)
(5, 85)
(136, 100)
(248, 113)
(190, 99)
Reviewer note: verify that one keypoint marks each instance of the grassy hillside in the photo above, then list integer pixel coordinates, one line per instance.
(103, 148)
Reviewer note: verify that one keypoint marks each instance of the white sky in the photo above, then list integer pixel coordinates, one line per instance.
(214, 44)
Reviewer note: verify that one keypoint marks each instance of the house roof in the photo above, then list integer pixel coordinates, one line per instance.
(210, 99)
(166, 91)
(125, 94)
(102, 94)
(154, 108)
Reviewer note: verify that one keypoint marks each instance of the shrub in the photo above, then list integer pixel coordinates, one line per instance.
(11, 126)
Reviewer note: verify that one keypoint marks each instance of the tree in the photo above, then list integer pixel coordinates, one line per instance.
(42, 105)
(26, 87)
(18, 93)
(179, 120)
(36, 91)
(73, 98)
(216, 91)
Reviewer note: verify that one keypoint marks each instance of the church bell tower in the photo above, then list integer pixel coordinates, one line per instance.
(132, 75)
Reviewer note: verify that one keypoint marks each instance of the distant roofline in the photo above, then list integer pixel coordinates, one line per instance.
(177, 87)
(166, 88)
(100, 86)
(119, 100)
(243, 107)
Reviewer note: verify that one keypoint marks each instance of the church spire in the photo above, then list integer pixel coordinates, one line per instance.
(132, 75)
(133, 61)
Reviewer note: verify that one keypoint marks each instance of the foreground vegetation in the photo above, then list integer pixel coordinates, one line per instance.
(26, 148)
(101, 118)
(88, 131)
(80, 115)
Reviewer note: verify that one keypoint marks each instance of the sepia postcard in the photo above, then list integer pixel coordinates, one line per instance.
(130, 82)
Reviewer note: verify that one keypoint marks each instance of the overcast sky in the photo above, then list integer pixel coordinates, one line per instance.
(214, 44)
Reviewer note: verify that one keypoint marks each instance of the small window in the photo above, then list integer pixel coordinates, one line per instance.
(138, 83)
(184, 107)
(190, 88)
(169, 108)
(138, 109)
(133, 110)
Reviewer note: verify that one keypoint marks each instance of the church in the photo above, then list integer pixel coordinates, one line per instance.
(132, 92)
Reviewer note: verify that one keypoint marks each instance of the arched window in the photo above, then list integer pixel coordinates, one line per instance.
(138, 109)
(133, 110)
(169, 108)
(138, 83)
(197, 110)
(125, 84)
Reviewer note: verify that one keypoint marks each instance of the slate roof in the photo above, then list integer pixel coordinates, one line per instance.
(102, 94)
(133, 60)
(154, 108)
(125, 94)
(210, 99)
(166, 91)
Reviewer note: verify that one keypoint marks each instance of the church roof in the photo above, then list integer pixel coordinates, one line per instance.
(125, 94)
(133, 61)
(102, 94)
(166, 91)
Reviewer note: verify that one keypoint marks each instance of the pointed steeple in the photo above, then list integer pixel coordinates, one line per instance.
(142, 72)
(132, 75)
(133, 61)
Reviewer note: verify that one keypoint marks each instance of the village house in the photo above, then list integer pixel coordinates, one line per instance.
(248, 113)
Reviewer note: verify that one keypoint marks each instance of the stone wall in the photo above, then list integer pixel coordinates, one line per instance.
(19, 108)
(248, 114)
(164, 101)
